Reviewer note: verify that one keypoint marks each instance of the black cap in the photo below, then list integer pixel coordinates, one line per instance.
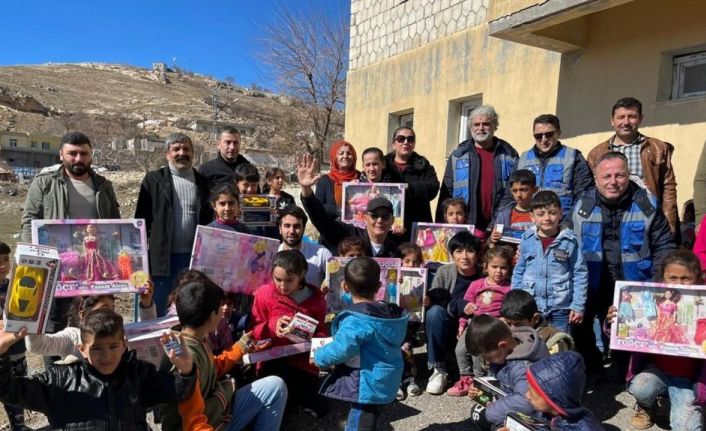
(378, 203)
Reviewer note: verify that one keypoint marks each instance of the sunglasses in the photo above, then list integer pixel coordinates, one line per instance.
(385, 216)
(548, 135)
(401, 139)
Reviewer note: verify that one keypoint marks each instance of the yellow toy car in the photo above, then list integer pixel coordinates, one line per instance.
(256, 201)
(27, 290)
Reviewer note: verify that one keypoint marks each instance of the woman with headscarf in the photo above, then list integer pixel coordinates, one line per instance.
(329, 189)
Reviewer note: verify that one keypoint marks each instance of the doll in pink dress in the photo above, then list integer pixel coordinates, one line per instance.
(666, 328)
(97, 267)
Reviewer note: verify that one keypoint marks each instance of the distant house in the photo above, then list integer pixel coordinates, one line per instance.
(210, 125)
(25, 150)
(145, 145)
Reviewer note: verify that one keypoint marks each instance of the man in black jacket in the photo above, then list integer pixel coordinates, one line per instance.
(222, 168)
(378, 217)
(173, 200)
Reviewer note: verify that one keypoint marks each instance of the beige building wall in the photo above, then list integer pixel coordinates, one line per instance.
(624, 50)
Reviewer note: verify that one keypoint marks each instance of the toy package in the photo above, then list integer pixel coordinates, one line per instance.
(35, 270)
(258, 210)
(357, 195)
(433, 239)
(490, 388)
(523, 422)
(317, 343)
(146, 326)
(411, 291)
(301, 328)
(509, 235)
(147, 346)
(237, 262)
(276, 352)
(667, 319)
(98, 257)
(337, 299)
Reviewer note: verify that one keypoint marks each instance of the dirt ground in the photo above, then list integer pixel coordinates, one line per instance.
(610, 402)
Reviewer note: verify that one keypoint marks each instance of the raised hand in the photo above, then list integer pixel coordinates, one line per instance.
(177, 352)
(7, 339)
(307, 166)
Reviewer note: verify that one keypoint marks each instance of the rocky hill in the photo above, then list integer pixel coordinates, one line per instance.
(121, 102)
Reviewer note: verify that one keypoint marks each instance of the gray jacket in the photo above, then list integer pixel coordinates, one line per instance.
(47, 198)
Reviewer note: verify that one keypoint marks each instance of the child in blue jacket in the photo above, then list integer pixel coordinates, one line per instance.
(365, 348)
(551, 266)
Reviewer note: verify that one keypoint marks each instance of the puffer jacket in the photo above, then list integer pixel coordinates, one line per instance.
(512, 375)
(557, 277)
(77, 397)
(48, 198)
(366, 351)
(559, 380)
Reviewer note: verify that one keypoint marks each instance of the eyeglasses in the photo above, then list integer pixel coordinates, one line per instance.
(401, 139)
(548, 135)
(385, 216)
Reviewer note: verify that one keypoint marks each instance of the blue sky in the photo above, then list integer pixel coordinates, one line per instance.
(214, 37)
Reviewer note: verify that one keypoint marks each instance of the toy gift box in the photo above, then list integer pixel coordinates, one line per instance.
(667, 319)
(276, 352)
(35, 270)
(523, 422)
(433, 239)
(98, 257)
(337, 299)
(235, 261)
(490, 390)
(357, 195)
(147, 346)
(411, 290)
(301, 328)
(258, 210)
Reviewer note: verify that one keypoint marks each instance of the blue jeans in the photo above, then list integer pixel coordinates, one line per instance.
(558, 319)
(439, 326)
(262, 401)
(684, 415)
(163, 285)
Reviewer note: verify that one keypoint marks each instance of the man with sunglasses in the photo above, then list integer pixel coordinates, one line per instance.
(478, 170)
(417, 172)
(558, 168)
(378, 217)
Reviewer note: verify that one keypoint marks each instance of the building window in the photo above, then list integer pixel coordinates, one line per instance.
(406, 120)
(689, 77)
(13, 142)
(46, 146)
(33, 144)
(464, 131)
(399, 119)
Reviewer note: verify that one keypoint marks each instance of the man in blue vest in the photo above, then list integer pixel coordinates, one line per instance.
(623, 235)
(558, 168)
(478, 170)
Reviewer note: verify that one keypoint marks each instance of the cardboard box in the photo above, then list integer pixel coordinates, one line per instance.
(357, 195)
(523, 422)
(301, 329)
(276, 352)
(98, 257)
(35, 270)
(660, 318)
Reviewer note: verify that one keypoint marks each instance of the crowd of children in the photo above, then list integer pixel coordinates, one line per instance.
(500, 308)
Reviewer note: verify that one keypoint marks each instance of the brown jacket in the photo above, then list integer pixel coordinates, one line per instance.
(657, 172)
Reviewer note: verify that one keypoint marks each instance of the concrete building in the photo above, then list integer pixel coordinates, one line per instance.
(429, 62)
(29, 151)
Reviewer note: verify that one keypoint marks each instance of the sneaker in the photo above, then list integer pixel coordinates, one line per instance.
(412, 387)
(401, 393)
(641, 419)
(437, 382)
(460, 389)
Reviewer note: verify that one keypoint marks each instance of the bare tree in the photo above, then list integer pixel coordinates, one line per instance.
(307, 51)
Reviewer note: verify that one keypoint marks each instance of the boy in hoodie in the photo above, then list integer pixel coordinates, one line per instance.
(509, 352)
(555, 389)
(520, 309)
(365, 348)
(551, 266)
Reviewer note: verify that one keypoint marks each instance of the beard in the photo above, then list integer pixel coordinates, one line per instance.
(482, 137)
(77, 169)
(292, 242)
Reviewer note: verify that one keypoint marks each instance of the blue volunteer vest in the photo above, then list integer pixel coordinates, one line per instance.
(462, 174)
(634, 243)
(557, 175)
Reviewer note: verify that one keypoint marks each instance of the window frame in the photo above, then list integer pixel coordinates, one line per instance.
(679, 65)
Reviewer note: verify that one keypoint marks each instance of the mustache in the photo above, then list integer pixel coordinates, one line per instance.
(182, 158)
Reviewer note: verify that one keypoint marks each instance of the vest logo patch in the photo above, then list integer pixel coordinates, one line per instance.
(561, 255)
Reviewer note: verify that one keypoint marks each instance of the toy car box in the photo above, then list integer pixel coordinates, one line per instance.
(301, 328)
(31, 289)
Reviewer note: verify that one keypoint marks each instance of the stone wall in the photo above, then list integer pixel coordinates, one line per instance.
(381, 29)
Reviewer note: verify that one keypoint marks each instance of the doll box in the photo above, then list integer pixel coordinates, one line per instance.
(98, 256)
(147, 346)
(660, 318)
(33, 277)
(337, 299)
(357, 195)
(301, 328)
(237, 262)
(433, 239)
(410, 292)
(276, 352)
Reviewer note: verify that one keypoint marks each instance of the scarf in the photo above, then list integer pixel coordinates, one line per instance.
(337, 175)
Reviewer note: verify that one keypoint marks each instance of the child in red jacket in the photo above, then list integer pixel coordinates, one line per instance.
(275, 305)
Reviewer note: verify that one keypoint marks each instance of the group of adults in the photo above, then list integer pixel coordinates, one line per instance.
(621, 200)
